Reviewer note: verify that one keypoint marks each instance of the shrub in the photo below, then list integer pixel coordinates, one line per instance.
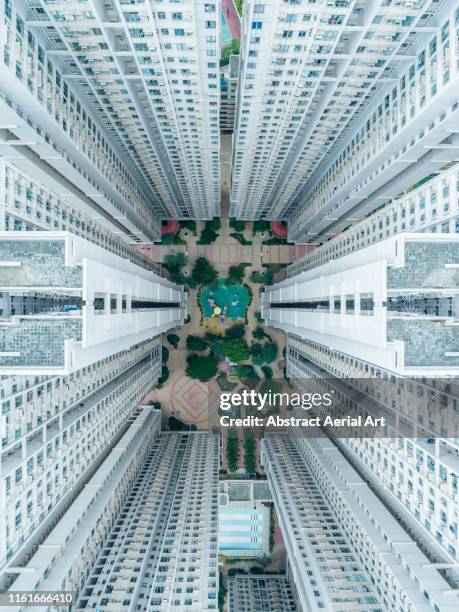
(236, 274)
(189, 224)
(235, 331)
(236, 349)
(237, 226)
(240, 238)
(207, 236)
(267, 371)
(201, 367)
(232, 452)
(193, 343)
(155, 405)
(173, 340)
(203, 272)
(264, 353)
(164, 376)
(260, 227)
(164, 354)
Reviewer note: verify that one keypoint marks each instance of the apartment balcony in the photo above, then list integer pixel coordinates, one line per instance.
(32, 89)
(420, 120)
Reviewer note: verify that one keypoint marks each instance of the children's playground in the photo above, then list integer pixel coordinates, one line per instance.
(224, 301)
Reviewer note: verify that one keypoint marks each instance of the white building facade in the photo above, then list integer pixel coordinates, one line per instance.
(119, 103)
(344, 548)
(79, 303)
(144, 530)
(336, 101)
(394, 304)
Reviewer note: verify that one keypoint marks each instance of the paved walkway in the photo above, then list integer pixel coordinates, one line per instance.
(232, 18)
(190, 400)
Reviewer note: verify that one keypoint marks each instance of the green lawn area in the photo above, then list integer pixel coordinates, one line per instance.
(232, 299)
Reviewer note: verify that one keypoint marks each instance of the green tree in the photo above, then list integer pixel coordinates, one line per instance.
(245, 372)
(202, 367)
(236, 349)
(260, 226)
(214, 224)
(173, 340)
(176, 424)
(250, 462)
(164, 354)
(232, 451)
(267, 371)
(237, 226)
(203, 272)
(263, 353)
(260, 334)
(189, 224)
(174, 264)
(241, 238)
(265, 278)
(236, 274)
(193, 343)
(207, 236)
(222, 591)
(235, 331)
(155, 405)
(164, 376)
(232, 49)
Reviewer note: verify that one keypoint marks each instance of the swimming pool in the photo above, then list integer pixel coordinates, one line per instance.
(243, 528)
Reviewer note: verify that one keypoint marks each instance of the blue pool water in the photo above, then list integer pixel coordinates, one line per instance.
(241, 529)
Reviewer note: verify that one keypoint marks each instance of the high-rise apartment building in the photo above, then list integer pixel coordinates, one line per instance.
(335, 101)
(394, 304)
(344, 548)
(83, 175)
(143, 531)
(68, 303)
(118, 103)
(340, 333)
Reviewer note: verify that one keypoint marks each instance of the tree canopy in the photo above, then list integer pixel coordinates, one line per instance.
(236, 349)
(208, 235)
(236, 274)
(235, 331)
(201, 367)
(264, 353)
(173, 340)
(203, 272)
(193, 343)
